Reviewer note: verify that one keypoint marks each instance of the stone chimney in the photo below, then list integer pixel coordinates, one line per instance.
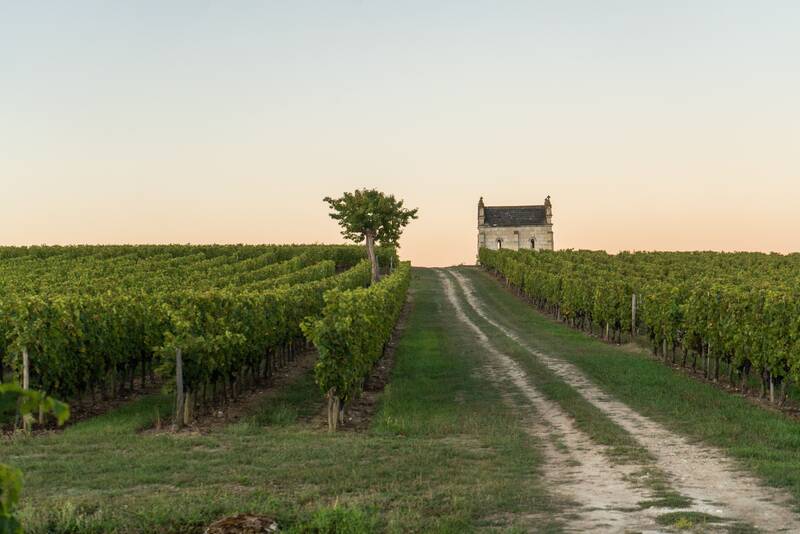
(548, 210)
(480, 212)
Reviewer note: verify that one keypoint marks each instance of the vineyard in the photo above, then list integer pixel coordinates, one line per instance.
(82, 322)
(732, 313)
(528, 423)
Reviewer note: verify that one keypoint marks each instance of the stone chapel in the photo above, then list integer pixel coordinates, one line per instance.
(515, 227)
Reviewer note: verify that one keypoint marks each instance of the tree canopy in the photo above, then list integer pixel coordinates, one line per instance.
(369, 211)
(372, 216)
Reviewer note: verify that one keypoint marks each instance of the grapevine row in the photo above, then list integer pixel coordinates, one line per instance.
(728, 313)
(351, 335)
(232, 320)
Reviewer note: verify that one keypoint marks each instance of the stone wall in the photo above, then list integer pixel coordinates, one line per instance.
(516, 237)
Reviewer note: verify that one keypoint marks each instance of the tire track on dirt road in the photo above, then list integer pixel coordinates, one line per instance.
(579, 470)
(700, 472)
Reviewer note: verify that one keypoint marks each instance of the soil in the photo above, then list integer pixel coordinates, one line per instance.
(700, 472)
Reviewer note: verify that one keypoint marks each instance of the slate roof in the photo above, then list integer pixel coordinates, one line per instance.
(514, 215)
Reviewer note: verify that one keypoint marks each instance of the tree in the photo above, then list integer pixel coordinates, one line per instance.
(372, 216)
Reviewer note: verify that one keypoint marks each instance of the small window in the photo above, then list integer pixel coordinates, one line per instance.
(499, 244)
(533, 243)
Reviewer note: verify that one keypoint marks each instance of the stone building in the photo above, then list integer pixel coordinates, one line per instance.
(515, 227)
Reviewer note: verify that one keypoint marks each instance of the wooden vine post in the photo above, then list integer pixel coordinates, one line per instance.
(26, 376)
(333, 410)
(633, 316)
(26, 384)
(178, 421)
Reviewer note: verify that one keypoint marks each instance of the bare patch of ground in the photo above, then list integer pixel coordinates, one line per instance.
(700, 472)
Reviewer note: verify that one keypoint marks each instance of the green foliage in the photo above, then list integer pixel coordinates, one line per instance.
(11, 479)
(222, 333)
(369, 212)
(742, 309)
(26, 402)
(93, 318)
(10, 488)
(353, 330)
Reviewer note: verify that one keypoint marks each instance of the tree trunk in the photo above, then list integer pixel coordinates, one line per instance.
(373, 259)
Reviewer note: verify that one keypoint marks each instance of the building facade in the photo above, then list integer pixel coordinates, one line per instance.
(515, 227)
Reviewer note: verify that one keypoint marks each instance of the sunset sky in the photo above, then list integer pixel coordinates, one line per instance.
(653, 125)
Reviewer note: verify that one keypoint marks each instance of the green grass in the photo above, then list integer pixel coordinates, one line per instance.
(338, 520)
(764, 442)
(300, 401)
(686, 520)
(444, 455)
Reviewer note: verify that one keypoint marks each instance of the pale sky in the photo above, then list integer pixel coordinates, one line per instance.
(653, 125)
